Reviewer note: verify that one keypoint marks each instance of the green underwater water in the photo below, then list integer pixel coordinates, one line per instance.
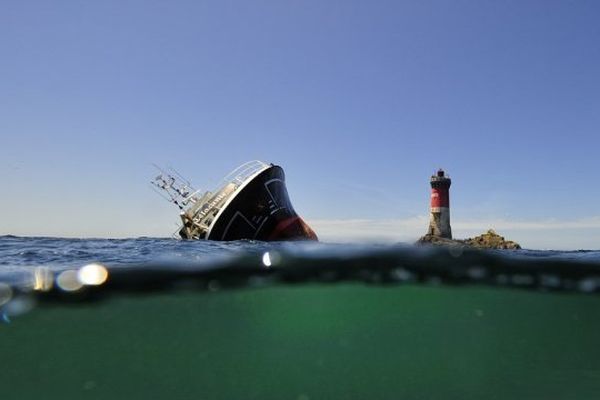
(311, 341)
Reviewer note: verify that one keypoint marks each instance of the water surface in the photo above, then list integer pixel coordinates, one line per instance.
(302, 321)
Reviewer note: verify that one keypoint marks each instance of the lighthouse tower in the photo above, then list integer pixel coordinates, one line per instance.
(439, 224)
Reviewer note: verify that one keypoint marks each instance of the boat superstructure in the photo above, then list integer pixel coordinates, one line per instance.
(251, 202)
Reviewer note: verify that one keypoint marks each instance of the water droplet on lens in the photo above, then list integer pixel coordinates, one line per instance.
(328, 276)
(434, 280)
(92, 274)
(213, 285)
(257, 281)
(19, 305)
(69, 281)
(401, 274)
(5, 293)
(43, 279)
(455, 251)
(522, 280)
(89, 385)
(476, 273)
(266, 259)
(552, 281)
(588, 285)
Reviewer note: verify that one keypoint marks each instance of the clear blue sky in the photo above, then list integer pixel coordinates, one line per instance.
(359, 102)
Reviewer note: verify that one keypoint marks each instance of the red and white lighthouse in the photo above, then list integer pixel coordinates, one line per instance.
(439, 223)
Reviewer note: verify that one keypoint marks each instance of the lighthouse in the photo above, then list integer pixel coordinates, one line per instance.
(439, 223)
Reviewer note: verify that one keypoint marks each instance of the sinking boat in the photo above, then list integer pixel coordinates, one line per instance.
(252, 202)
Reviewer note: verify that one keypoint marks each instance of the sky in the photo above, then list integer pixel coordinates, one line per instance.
(359, 102)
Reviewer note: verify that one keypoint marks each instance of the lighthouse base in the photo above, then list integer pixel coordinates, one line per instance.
(439, 223)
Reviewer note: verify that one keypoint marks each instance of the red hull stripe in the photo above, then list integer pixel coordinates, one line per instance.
(281, 227)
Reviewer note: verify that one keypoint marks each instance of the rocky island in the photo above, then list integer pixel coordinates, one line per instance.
(488, 240)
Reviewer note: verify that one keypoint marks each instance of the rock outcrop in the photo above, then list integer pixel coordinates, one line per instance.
(488, 240)
(491, 240)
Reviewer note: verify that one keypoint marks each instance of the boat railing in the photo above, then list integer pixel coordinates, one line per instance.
(243, 172)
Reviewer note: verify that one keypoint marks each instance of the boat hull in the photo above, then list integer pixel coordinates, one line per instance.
(261, 210)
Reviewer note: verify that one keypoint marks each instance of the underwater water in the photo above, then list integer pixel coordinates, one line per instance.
(158, 318)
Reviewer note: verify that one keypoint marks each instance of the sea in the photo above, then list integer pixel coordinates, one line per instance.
(153, 318)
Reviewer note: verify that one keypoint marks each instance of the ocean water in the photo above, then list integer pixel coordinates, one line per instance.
(160, 318)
